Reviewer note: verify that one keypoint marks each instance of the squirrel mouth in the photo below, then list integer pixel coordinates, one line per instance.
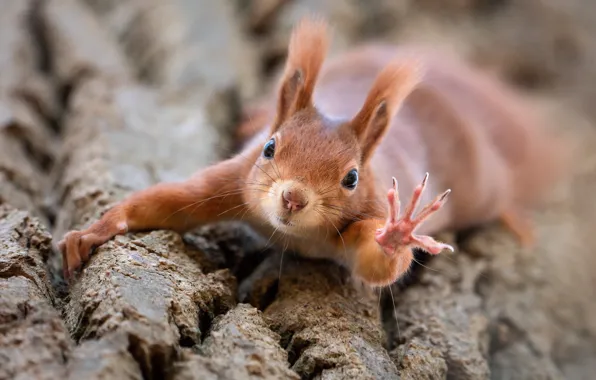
(284, 221)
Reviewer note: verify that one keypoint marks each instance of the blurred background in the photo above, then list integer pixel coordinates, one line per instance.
(99, 98)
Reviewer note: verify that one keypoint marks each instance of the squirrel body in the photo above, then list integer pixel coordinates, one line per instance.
(314, 172)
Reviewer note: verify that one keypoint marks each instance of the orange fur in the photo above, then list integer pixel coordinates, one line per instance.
(375, 111)
(393, 84)
(308, 46)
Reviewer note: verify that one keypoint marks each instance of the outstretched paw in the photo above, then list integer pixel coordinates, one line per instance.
(398, 232)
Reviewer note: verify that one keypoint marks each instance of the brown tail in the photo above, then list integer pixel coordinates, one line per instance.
(545, 164)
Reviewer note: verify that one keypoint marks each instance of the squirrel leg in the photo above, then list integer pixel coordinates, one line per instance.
(206, 197)
(383, 249)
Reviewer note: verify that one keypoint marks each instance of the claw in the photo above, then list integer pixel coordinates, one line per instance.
(394, 203)
(416, 198)
(397, 202)
(430, 245)
(432, 207)
(444, 195)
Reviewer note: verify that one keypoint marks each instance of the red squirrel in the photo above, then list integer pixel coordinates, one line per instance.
(340, 133)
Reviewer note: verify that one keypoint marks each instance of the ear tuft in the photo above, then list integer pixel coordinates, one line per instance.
(391, 87)
(393, 84)
(382, 108)
(307, 50)
(308, 45)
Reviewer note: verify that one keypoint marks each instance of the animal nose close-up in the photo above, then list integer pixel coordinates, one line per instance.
(293, 200)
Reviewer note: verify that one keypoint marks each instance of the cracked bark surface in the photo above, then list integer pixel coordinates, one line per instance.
(99, 99)
(330, 329)
(33, 338)
(240, 346)
(145, 286)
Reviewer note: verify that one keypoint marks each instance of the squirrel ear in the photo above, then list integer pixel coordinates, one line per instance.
(389, 90)
(308, 46)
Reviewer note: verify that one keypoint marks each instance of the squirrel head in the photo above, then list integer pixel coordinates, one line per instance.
(312, 171)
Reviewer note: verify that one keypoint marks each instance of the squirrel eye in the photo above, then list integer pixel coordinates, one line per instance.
(350, 180)
(269, 149)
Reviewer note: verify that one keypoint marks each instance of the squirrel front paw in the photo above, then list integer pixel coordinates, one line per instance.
(398, 233)
(76, 246)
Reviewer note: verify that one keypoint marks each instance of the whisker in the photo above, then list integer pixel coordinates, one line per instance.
(244, 214)
(424, 266)
(275, 168)
(343, 212)
(256, 184)
(379, 303)
(257, 166)
(199, 202)
(233, 208)
(281, 260)
(326, 229)
(347, 212)
(268, 240)
(328, 190)
(395, 313)
(328, 198)
(339, 233)
(235, 192)
(263, 170)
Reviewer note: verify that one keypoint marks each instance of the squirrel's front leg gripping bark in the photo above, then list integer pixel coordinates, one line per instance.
(175, 206)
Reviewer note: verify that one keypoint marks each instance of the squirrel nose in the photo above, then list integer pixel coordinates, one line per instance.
(293, 200)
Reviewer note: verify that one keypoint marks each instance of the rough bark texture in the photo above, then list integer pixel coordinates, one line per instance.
(102, 98)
